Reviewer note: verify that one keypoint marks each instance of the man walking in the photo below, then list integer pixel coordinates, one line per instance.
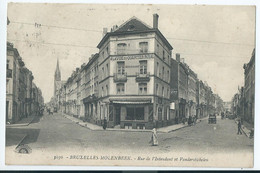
(239, 128)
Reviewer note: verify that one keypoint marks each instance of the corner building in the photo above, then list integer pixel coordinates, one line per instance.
(134, 76)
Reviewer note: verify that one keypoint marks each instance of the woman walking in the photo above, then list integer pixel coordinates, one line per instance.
(154, 138)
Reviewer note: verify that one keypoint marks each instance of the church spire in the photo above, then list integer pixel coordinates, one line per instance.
(57, 72)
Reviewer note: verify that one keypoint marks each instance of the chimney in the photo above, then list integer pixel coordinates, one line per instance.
(104, 31)
(178, 57)
(155, 21)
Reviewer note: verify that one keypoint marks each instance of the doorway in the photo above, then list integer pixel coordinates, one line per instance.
(118, 114)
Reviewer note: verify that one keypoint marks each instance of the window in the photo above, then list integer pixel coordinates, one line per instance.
(163, 55)
(107, 70)
(157, 50)
(121, 48)
(163, 73)
(162, 91)
(106, 89)
(7, 64)
(142, 88)
(156, 90)
(143, 67)
(120, 88)
(143, 47)
(103, 72)
(121, 67)
(103, 54)
(102, 94)
(157, 69)
(107, 50)
(168, 76)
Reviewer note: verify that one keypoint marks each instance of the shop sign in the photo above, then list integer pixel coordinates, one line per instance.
(172, 106)
(131, 57)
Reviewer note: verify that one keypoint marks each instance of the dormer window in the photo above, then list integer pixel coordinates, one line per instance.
(131, 27)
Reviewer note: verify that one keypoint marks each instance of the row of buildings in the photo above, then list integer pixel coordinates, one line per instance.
(243, 102)
(23, 97)
(134, 82)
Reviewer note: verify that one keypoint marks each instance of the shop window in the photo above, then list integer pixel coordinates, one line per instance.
(140, 113)
(143, 47)
(142, 88)
(130, 113)
(121, 67)
(120, 88)
(143, 67)
(135, 113)
(121, 48)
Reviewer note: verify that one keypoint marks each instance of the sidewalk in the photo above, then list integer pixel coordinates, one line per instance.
(246, 128)
(98, 128)
(22, 122)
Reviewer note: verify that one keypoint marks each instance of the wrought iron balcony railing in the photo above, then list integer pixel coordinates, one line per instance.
(143, 77)
(119, 77)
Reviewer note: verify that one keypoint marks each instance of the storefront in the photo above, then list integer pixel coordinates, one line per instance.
(131, 114)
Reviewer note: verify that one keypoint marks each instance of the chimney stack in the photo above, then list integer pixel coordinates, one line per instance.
(104, 31)
(178, 57)
(155, 21)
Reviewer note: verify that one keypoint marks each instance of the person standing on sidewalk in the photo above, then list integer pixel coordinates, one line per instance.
(154, 138)
(239, 128)
(105, 123)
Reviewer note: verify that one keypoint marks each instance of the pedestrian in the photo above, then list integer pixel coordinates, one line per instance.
(154, 138)
(105, 123)
(190, 121)
(239, 128)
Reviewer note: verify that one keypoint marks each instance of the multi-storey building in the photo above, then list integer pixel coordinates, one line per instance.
(12, 84)
(192, 93)
(249, 89)
(201, 101)
(90, 82)
(179, 87)
(19, 87)
(134, 68)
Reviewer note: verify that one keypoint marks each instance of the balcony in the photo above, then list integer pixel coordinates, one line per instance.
(118, 77)
(142, 77)
(9, 73)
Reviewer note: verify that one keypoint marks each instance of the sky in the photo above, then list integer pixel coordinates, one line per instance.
(215, 41)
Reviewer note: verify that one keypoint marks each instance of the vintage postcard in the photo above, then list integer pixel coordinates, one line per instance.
(130, 85)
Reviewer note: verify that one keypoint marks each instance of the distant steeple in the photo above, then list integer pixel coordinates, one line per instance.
(57, 72)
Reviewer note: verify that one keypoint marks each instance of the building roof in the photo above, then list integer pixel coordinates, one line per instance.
(133, 26)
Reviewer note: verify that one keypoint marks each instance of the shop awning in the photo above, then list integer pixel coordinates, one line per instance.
(132, 102)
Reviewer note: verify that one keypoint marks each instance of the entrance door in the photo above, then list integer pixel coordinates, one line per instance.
(118, 114)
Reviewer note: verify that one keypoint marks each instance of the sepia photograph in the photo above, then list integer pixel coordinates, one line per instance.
(157, 85)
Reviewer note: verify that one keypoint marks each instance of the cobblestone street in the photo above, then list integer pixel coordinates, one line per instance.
(54, 134)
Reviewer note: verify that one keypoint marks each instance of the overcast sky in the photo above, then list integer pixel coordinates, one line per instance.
(214, 40)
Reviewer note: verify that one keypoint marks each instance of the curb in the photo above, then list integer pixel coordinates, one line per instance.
(19, 143)
(122, 130)
(17, 125)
